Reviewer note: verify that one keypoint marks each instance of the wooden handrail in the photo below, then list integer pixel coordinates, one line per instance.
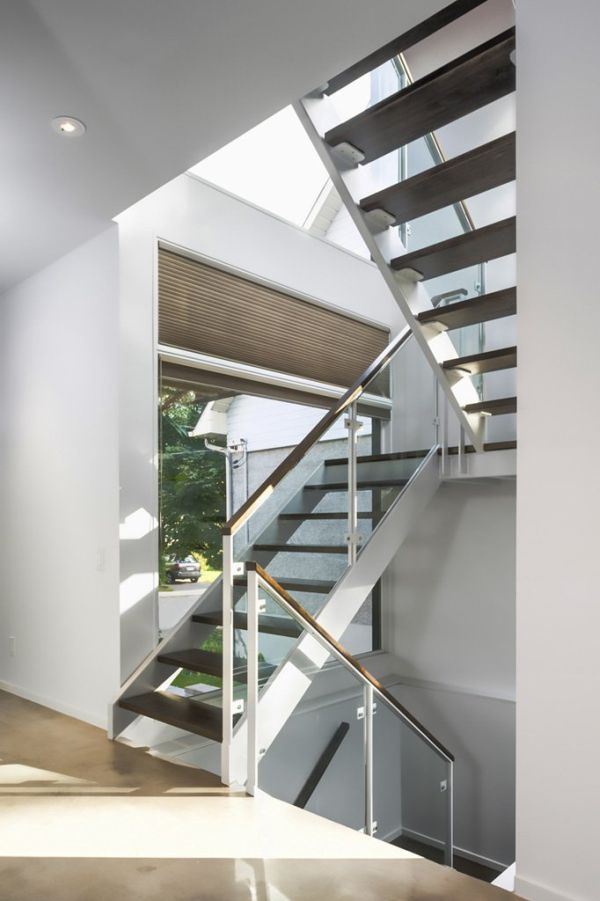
(404, 42)
(353, 393)
(340, 651)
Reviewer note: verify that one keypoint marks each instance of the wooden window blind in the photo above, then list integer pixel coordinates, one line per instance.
(211, 311)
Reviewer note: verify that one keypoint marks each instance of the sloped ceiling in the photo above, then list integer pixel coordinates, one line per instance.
(160, 84)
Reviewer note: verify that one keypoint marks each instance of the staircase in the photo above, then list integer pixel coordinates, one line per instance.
(328, 539)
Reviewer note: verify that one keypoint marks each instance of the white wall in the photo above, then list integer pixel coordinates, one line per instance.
(201, 218)
(59, 483)
(558, 597)
(450, 625)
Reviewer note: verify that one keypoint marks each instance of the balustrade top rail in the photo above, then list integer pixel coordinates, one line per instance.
(353, 393)
(312, 625)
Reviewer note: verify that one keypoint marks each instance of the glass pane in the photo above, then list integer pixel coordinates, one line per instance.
(316, 760)
(410, 794)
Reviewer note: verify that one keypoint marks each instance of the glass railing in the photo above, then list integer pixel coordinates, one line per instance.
(350, 751)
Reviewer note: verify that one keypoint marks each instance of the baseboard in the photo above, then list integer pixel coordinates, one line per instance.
(533, 891)
(44, 701)
(462, 852)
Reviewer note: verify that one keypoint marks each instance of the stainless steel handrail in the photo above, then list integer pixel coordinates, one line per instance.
(372, 688)
(317, 631)
(346, 400)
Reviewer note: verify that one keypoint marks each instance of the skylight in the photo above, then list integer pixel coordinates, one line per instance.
(274, 166)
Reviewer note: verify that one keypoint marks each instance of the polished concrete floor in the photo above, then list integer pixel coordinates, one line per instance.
(85, 818)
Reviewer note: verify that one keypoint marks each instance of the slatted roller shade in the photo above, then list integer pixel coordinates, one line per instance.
(208, 310)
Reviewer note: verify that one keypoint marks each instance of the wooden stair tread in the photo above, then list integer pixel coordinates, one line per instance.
(210, 663)
(362, 485)
(272, 625)
(184, 713)
(303, 548)
(302, 517)
(495, 305)
(408, 39)
(196, 660)
(309, 586)
(489, 361)
(464, 176)
(379, 458)
(488, 447)
(478, 246)
(475, 79)
(493, 407)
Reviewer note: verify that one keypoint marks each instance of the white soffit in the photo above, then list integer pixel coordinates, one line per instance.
(160, 84)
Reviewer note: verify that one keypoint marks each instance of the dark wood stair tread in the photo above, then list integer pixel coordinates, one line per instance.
(493, 407)
(303, 517)
(272, 625)
(302, 548)
(184, 713)
(408, 39)
(463, 176)
(379, 458)
(488, 447)
(362, 485)
(475, 79)
(309, 586)
(495, 305)
(490, 361)
(478, 246)
(197, 660)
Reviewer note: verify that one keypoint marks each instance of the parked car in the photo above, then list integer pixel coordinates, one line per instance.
(182, 568)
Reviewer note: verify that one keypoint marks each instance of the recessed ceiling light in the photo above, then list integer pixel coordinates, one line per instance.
(68, 126)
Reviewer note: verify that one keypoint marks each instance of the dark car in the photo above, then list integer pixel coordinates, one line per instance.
(182, 568)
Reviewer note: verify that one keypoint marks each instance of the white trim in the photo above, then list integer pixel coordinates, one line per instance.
(288, 222)
(462, 852)
(534, 891)
(52, 704)
(264, 376)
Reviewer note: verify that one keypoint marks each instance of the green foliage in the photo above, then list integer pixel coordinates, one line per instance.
(192, 483)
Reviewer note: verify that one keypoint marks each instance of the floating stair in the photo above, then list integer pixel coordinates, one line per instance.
(478, 246)
(473, 80)
(184, 713)
(411, 37)
(379, 458)
(464, 176)
(498, 407)
(485, 308)
(271, 625)
(490, 361)
(303, 517)
(302, 548)
(210, 663)
(362, 485)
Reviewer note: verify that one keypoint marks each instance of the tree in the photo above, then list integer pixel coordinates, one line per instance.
(192, 481)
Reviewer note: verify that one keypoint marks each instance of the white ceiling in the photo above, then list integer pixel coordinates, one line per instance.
(160, 85)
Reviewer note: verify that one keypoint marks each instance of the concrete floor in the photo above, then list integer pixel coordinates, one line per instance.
(85, 818)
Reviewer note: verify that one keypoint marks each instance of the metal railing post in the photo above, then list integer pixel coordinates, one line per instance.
(252, 710)
(445, 417)
(353, 538)
(449, 848)
(368, 756)
(462, 456)
(227, 601)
